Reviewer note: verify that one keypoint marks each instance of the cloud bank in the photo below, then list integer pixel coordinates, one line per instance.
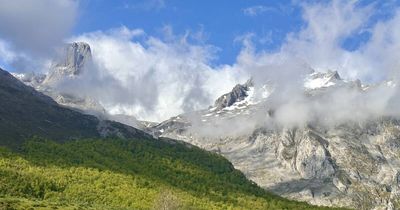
(34, 28)
(154, 78)
(320, 45)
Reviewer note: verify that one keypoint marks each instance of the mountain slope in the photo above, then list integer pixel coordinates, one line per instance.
(127, 174)
(24, 112)
(73, 63)
(137, 172)
(351, 163)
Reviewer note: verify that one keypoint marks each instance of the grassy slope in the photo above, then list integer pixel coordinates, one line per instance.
(127, 174)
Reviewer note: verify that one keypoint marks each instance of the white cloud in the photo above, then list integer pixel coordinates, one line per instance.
(158, 79)
(319, 44)
(6, 54)
(152, 80)
(34, 28)
(257, 10)
(328, 25)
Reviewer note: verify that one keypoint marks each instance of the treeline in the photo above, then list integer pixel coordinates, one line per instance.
(127, 174)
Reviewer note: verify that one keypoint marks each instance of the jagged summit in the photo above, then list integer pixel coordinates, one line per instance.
(322, 79)
(72, 61)
(349, 164)
(75, 56)
(238, 93)
(250, 94)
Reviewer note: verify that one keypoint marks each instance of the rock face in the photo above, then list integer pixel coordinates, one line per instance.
(348, 164)
(351, 164)
(311, 159)
(238, 93)
(73, 60)
(321, 80)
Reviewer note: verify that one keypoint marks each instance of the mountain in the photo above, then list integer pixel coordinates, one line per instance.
(238, 93)
(25, 112)
(72, 63)
(352, 164)
(53, 157)
(305, 163)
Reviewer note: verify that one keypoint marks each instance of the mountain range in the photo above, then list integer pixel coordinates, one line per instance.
(353, 164)
(57, 157)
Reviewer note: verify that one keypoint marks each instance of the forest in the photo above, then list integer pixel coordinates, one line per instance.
(126, 174)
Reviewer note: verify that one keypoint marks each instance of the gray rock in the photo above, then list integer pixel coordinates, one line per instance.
(72, 62)
(352, 164)
(238, 93)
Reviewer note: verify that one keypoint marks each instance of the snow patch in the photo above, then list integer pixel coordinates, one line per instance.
(318, 83)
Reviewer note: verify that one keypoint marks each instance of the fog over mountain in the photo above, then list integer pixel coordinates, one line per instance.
(179, 77)
(154, 78)
(313, 118)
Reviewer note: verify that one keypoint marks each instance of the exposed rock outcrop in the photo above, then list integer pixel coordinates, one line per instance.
(352, 164)
(75, 59)
(238, 93)
(72, 62)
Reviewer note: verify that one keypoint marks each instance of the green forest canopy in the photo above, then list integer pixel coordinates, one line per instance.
(127, 174)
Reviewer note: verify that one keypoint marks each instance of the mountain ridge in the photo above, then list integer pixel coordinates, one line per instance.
(303, 160)
(352, 164)
(25, 112)
(74, 60)
(55, 157)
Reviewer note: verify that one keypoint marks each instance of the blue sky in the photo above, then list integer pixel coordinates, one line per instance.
(221, 22)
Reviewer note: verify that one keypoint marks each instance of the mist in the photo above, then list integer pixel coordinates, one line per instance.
(159, 78)
(155, 78)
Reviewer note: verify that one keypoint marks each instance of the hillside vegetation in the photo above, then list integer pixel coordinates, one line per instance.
(126, 174)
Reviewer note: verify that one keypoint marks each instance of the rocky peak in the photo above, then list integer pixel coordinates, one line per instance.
(322, 79)
(72, 62)
(238, 93)
(334, 75)
(75, 56)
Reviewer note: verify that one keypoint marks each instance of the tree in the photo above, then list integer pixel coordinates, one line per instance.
(167, 200)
